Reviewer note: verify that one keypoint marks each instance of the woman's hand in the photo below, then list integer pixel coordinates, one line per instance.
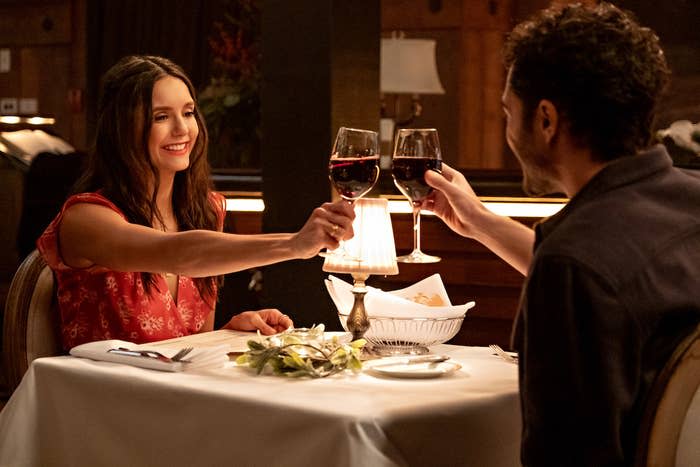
(268, 321)
(326, 226)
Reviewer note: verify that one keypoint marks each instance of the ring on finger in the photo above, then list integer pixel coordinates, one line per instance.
(336, 227)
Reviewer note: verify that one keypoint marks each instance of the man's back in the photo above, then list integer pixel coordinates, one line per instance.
(615, 284)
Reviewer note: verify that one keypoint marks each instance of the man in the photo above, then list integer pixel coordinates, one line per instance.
(613, 283)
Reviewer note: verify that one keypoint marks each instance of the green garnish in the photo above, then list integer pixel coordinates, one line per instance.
(299, 354)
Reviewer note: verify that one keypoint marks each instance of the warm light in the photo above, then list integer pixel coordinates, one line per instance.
(524, 209)
(540, 207)
(408, 67)
(9, 119)
(372, 249)
(502, 206)
(245, 204)
(14, 120)
(41, 120)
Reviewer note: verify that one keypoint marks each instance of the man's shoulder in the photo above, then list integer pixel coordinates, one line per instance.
(621, 231)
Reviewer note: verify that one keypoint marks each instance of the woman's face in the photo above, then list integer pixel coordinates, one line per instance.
(174, 128)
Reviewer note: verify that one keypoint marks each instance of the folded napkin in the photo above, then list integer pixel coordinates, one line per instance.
(211, 357)
(424, 299)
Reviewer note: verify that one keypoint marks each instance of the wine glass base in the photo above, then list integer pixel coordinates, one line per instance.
(417, 256)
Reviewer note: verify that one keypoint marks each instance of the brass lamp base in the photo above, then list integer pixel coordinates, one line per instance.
(358, 322)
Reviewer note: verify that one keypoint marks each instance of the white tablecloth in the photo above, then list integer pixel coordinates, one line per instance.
(78, 412)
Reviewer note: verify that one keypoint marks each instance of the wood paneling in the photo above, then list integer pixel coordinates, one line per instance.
(418, 14)
(493, 126)
(47, 43)
(482, 78)
(486, 14)
(470, 119)
(35, 24)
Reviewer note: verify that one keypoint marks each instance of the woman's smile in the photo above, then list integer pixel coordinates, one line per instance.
(177, 149)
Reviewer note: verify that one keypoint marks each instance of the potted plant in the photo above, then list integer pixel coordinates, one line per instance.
(230, 102)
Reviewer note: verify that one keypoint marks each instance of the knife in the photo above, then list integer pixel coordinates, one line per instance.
(415, 360)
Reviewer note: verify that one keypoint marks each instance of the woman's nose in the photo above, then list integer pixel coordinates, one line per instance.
(180, 126)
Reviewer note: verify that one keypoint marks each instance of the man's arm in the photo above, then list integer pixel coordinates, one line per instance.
(455, 202)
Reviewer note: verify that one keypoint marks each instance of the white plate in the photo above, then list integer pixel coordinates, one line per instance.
(414, 370)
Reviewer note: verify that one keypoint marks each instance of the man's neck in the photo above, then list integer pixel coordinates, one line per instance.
(576, 166)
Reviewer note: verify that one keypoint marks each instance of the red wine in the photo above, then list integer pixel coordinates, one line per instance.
(353, 176)
(408, 175)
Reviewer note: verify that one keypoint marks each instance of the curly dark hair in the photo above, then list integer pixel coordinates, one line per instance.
(604, 73)
(119, 163)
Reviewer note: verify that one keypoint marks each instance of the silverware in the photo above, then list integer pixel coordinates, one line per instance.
(503, 354)
(415, 360)
(178, 357)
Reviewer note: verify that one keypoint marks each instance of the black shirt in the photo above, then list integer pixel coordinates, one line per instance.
(613, 286)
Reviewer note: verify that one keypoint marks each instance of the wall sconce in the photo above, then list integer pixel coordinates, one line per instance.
(408, 66)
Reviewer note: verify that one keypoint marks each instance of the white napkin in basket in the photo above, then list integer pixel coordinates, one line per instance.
(211, 357)
(403, 303)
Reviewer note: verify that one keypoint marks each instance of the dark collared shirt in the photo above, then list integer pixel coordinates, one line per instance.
(614, 285)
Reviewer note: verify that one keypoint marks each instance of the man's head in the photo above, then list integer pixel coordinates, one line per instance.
(603, 73)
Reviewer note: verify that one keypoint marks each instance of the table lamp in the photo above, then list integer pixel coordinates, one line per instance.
(370, 251)
(408, 66)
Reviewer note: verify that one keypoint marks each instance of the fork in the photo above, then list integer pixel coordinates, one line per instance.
(178, 357)
(502, 353)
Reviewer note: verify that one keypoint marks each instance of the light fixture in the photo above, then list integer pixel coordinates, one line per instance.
(37, 121)
(503, 206)
(370, 251)
(407, 66)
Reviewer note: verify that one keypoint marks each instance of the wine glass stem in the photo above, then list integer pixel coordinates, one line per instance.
(416, 227)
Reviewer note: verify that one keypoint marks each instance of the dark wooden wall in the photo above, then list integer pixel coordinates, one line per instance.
(47, 40)
(60, 48)
(320, 71)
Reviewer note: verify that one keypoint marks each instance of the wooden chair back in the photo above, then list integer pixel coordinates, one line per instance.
(672, 411)
(31, 327)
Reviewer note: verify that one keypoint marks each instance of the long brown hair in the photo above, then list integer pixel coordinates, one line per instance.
(120, 165)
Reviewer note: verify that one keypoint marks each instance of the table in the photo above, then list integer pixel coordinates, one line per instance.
(72, 411)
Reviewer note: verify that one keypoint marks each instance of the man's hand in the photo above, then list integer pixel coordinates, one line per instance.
(453, 200)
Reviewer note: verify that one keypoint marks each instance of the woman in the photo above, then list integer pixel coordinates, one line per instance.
(137, 252)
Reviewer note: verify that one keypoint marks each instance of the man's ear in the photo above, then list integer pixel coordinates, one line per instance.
(547, 119)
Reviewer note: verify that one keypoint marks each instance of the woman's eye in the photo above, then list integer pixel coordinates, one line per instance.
(160, 117)
(189, 113)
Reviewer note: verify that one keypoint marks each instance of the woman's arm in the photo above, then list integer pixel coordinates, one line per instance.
(90, 234)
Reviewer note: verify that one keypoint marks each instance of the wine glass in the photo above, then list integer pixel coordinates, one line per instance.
(416, 150)
(353, 168)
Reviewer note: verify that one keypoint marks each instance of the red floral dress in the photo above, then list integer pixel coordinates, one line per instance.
(97, 303)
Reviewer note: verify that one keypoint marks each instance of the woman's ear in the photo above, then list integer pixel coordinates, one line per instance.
(547, 119)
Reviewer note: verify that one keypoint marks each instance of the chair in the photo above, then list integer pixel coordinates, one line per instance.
(665, 430)
(31, 323)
